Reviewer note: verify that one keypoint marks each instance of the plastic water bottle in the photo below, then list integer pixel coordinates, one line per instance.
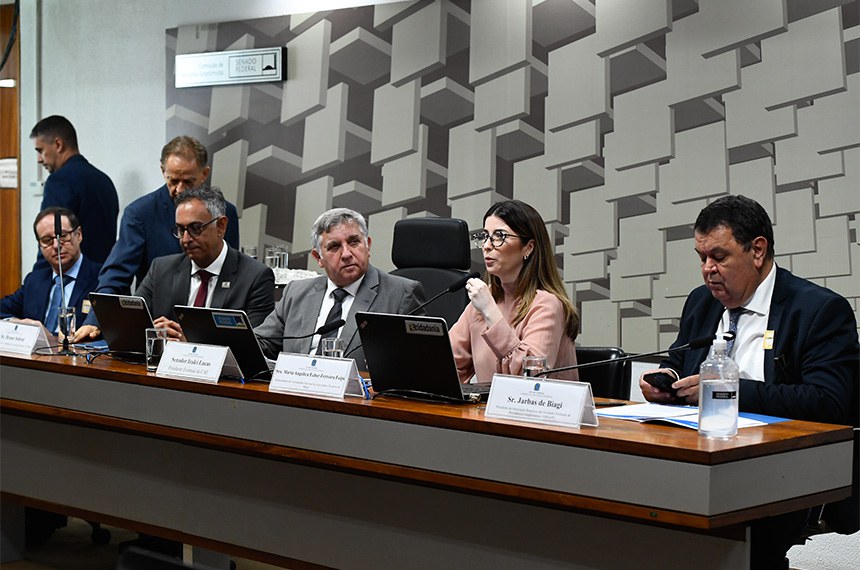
(718, 394)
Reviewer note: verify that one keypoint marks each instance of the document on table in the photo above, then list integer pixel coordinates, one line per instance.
(685, 416)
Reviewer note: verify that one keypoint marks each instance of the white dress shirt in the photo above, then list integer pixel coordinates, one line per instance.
(214, 268)
(328, 303)
(748, 350)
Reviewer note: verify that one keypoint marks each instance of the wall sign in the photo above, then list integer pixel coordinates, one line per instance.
(231, 67)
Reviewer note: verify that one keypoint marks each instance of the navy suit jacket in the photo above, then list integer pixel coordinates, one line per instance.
(91, 195)
(145, 234)
(31, 300)
(812, 371)
(244, 283)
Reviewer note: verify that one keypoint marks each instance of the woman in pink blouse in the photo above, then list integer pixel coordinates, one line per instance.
(521, 309)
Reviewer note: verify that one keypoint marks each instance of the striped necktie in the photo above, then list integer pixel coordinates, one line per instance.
(734, 316)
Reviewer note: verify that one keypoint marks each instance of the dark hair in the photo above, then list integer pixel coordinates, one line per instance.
(187, 147)
(56, 127)
(744, 216)
(52, 211)
(539, 270)
(211, 197)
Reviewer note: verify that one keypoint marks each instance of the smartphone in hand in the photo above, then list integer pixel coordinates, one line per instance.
(661, 381)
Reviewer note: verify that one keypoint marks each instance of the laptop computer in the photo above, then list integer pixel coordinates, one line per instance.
(225, 327)
(411, 356)
(123, 320)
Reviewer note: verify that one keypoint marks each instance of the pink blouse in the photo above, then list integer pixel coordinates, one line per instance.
(501, 348)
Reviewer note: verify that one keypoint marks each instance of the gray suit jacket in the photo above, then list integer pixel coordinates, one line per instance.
(299, 308)
(244, 284)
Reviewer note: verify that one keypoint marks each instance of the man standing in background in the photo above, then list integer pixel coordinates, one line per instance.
(76, 185)
(146, 229)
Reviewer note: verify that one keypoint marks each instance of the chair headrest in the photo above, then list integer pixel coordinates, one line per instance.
(431, 242)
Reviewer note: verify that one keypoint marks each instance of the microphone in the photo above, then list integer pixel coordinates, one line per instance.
(693, 344)
(326, 328)
(456, 286)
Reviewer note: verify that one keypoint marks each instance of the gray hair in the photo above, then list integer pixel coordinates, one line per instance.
(211, 197)
(332, 218)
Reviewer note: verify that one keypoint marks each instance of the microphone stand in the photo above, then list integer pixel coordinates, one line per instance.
(64, 308)
(456, 286)
(334, 325)
(695, 343)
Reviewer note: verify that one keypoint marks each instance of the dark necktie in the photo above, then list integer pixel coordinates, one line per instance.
(734, 315)
(203, 291)
(333, 315)
(52, 321)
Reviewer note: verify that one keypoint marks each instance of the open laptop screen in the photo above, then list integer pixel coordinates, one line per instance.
(411, 354)
(123, 320)
(225, 327)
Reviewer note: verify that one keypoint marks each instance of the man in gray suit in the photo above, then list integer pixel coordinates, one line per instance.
(341, 247)
(209, 273)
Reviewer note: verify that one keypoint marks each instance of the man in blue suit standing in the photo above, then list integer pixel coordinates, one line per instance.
(33, 302)
(77, 185)
(145, 232)
(795, 344)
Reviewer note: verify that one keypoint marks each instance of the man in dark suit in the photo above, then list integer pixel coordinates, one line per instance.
(341, 247)
(77, 185)
(209, 273)
(147, 223)
(796, 342)
(40, 291)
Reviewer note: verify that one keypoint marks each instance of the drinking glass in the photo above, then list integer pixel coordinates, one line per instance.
(333, 347)
(66, 319)
(533, 365)
(271, 257)
(155, 339)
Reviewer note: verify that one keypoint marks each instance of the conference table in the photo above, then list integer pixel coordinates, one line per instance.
(308, 482)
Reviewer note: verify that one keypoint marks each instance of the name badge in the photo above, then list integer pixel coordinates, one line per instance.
(541, 401)
(197, 362)
(317, 376)
(768, 340)
(20, 338)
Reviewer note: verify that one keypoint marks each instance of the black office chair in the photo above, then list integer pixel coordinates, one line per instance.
(435, 252)
(610, 380)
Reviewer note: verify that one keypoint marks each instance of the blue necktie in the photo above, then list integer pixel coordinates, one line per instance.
(52, 321)
(734, 315)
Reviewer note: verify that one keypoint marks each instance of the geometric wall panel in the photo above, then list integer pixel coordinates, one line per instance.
(501, 38)
(840, 195)
(617, 120)
(794, 228)
(418, 44)
(395, 122)
(623, 23)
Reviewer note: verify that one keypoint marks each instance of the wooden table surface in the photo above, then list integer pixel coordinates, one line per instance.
(465, 451)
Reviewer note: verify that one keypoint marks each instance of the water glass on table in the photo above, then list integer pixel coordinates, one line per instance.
(155, 340)
(66, 318)
(533, 365)
(333, 347)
